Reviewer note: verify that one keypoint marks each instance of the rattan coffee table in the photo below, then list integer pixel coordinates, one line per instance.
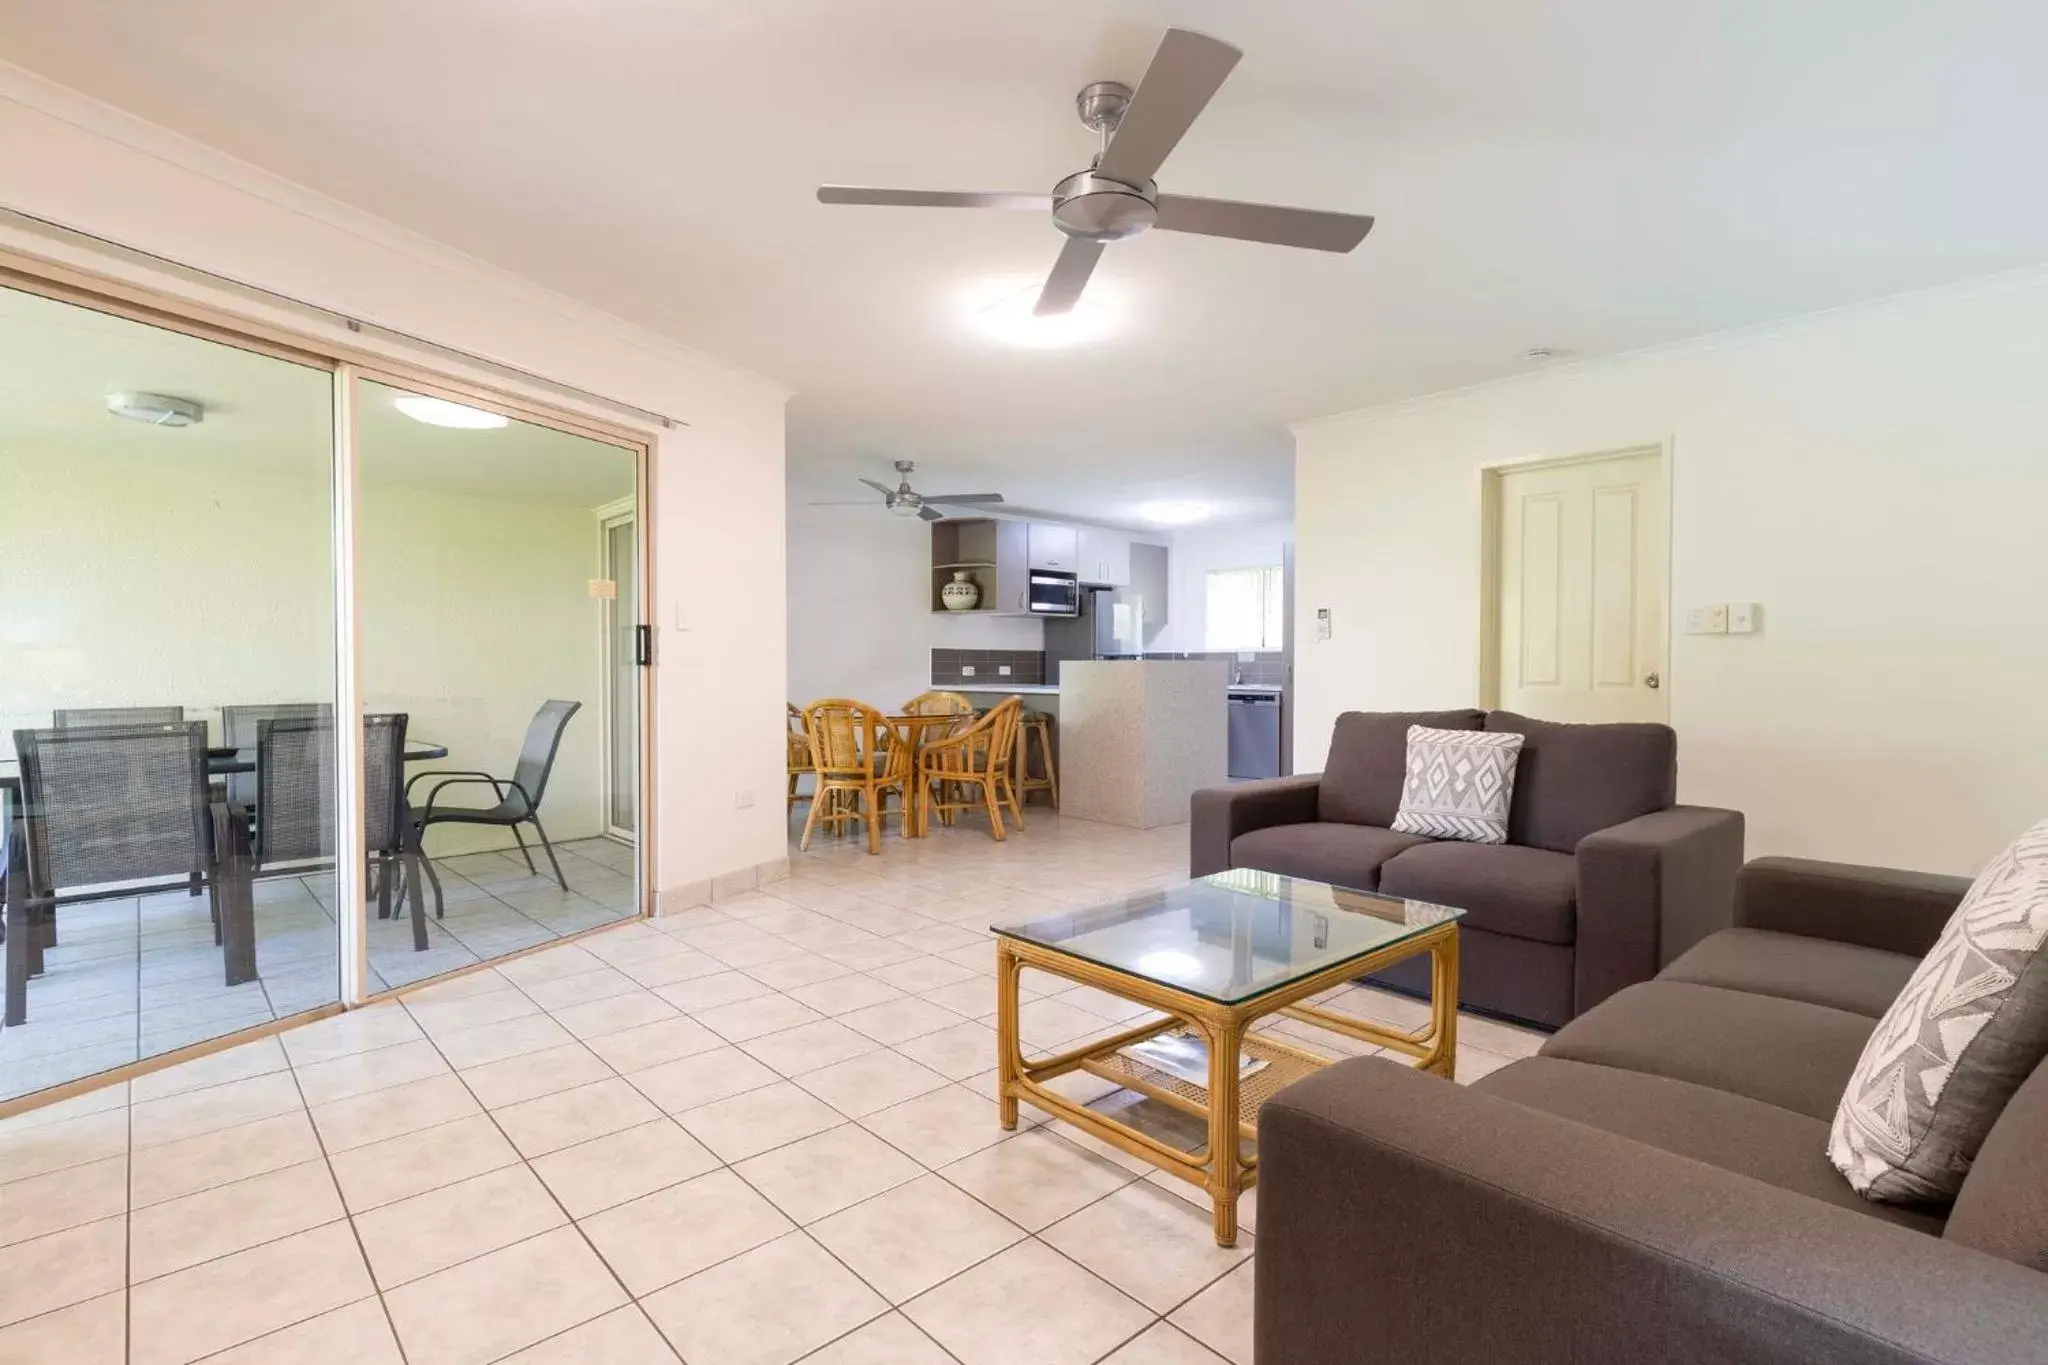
(1215, 956)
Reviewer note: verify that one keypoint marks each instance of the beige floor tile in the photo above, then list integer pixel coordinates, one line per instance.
(659, 1239)
(553, 1122)
(356, 1031)
(1165, 1344)
(57, 1200)
(401, 1167)
(201, 1163)
(495, 1042)
(30, 1149)
(362, 1072)
(1220, 1317)
(259, 1058)
(1027, 1306)
(516, 1079)
(784, 970)
(621, 1337)
(441, 1018)
(709, 992)
(358, 1122)
(1476, 1062)
(91, 1333)
(973, 998)
(430, 1232)
(1112, 1007)
(1158, 1249)
(844, 994)
(1247, 1203)
(59, 1269)
(692, 1081)
(825, 1173)
(196, 1112)
(888, 1340)
(863, 957)
(756, 1018)
(497, 1304)
(897, 1021)
(1045, 1024)
(1036, 1178)
(807, 1047)
(636, 1049)
(876, 1080)
(623, 1166)
(1501, 1039)
(965, 1049)
(739, 1312)
(226, 1219)
(558, 993)
(746, 1125)
(940, 1128)
(913, 1237)
(223, 1303)
(921, 974)
(614, 1014)
(669, 968)
(570, 959)
(358, 1334)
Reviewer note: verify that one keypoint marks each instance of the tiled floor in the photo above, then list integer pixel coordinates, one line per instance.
(140, 975)
(749, 1134)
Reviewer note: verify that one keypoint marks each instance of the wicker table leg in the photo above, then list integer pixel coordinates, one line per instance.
(1223, 1125)
(1009, 1059)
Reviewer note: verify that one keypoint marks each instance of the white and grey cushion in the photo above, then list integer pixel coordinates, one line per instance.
(1460, 784)
(1970, 1026)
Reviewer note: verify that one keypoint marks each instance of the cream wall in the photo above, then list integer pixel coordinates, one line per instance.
(1196, 550)
(718, 580)
(1876, 478)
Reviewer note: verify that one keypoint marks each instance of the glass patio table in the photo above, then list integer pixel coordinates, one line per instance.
(1214, 956)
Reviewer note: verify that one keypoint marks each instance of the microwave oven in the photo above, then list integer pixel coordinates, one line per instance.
(1054, 594)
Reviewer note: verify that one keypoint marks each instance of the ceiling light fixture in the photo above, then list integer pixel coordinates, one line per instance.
(439, 412)
(157, 409)
(1174, 513)
(1003, 313)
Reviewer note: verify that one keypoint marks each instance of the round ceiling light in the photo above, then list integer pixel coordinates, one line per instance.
(439, 412)
(1002, 312)
(1174, 513)
(157, 409)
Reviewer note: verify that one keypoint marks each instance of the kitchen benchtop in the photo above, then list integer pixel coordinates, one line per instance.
(1006, 688)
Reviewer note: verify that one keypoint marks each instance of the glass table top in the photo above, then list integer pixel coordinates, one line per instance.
(1235, 935)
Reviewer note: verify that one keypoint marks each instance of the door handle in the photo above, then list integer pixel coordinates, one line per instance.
(643, 645)
(1652, 681)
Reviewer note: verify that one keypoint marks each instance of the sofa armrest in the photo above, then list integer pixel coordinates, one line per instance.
(1405, 1218)
(1876, 907)
(1649, 888)
(1220, 814)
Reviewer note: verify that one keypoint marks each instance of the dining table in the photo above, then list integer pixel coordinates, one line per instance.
(916, 731)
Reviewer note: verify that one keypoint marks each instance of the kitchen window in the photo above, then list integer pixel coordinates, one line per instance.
(1243, 609)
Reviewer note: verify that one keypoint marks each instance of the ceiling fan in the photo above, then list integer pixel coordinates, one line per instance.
(1115, 197)
(906, 501)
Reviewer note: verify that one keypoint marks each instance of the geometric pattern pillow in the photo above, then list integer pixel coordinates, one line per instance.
(1459, 784)
(1969, 1027)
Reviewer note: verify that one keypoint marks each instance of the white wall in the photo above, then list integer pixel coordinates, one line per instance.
(860, 617)
(1194, 551)
(720, 645)
(1876, 478)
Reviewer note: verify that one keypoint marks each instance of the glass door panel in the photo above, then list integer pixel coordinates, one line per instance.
(167, 682)
(622, 716)
(486, 638)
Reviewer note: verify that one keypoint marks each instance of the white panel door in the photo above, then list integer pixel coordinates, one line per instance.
(1581, 557)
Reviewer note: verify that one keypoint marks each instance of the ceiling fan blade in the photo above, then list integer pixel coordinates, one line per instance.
(881, 488)
(1184, 76)
(931, 513)
(963, 497)
(935, 199)
(842, 502)
(1312, 228)
(1069, 276)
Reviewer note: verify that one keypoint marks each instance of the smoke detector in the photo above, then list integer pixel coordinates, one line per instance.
(157, 409)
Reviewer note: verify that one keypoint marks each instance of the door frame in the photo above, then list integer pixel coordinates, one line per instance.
(625, 511)
(1490, 479)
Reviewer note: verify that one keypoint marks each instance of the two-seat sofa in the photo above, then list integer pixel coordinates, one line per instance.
(1654, 1184)
(1602, 880)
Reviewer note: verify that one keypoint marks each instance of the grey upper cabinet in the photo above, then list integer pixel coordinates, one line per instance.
(1052, 547)
(1104, 557)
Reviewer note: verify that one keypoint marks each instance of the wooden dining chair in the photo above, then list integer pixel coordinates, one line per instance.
(936, 703)
(797, 745)
(976, 762)
(858, 758)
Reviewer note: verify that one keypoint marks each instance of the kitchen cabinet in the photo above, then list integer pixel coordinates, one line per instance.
(1104, 557)
(1052, 547)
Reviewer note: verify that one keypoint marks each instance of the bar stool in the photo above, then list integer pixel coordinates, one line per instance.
(1036, 725)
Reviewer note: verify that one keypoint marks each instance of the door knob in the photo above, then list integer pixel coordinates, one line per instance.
(1652, 681)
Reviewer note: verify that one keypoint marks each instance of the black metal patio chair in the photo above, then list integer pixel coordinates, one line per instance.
(518, 797)
(94, 717)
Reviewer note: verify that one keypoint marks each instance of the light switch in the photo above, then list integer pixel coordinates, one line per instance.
(1322, 623)
(1745, 618)
(967, 670)
(1711, 619)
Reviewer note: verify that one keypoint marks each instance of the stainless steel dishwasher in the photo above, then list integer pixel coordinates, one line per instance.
(1254, 733)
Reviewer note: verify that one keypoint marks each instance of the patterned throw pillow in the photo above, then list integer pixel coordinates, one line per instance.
(1459, 784)
(1971, 1025)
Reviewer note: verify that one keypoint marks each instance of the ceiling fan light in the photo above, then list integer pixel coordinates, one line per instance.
(904, 507)
(1008, 317)
(1174, 513)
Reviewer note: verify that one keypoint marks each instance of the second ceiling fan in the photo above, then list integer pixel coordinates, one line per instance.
(1116, 197)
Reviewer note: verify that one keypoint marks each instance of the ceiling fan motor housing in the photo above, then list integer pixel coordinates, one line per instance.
(1093, 206)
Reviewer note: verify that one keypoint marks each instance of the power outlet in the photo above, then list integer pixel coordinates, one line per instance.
(743, 800)
(1002, 670)
(967, 670)
(1711, 619)
(1745, 618)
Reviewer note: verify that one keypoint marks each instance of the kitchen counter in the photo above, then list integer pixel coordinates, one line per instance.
(1139, 738)
(1007, 689)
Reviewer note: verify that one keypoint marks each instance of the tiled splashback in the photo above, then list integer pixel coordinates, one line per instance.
(949, 667)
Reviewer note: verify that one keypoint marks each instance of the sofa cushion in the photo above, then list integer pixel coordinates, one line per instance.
(2003, 1207)
(1460, 784)
(1735, 1133)
(1575, 779)
(1843, 976)
(1521, 892)
(1783, 1052)
(1368, 761)
(1966, 1032)
(1342, 855)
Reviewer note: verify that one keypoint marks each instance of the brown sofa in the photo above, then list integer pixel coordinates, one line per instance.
(1654, 1185)
(1602, 880)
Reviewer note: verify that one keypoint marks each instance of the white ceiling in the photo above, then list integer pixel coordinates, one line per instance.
(58, 363)
(1593, 175)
